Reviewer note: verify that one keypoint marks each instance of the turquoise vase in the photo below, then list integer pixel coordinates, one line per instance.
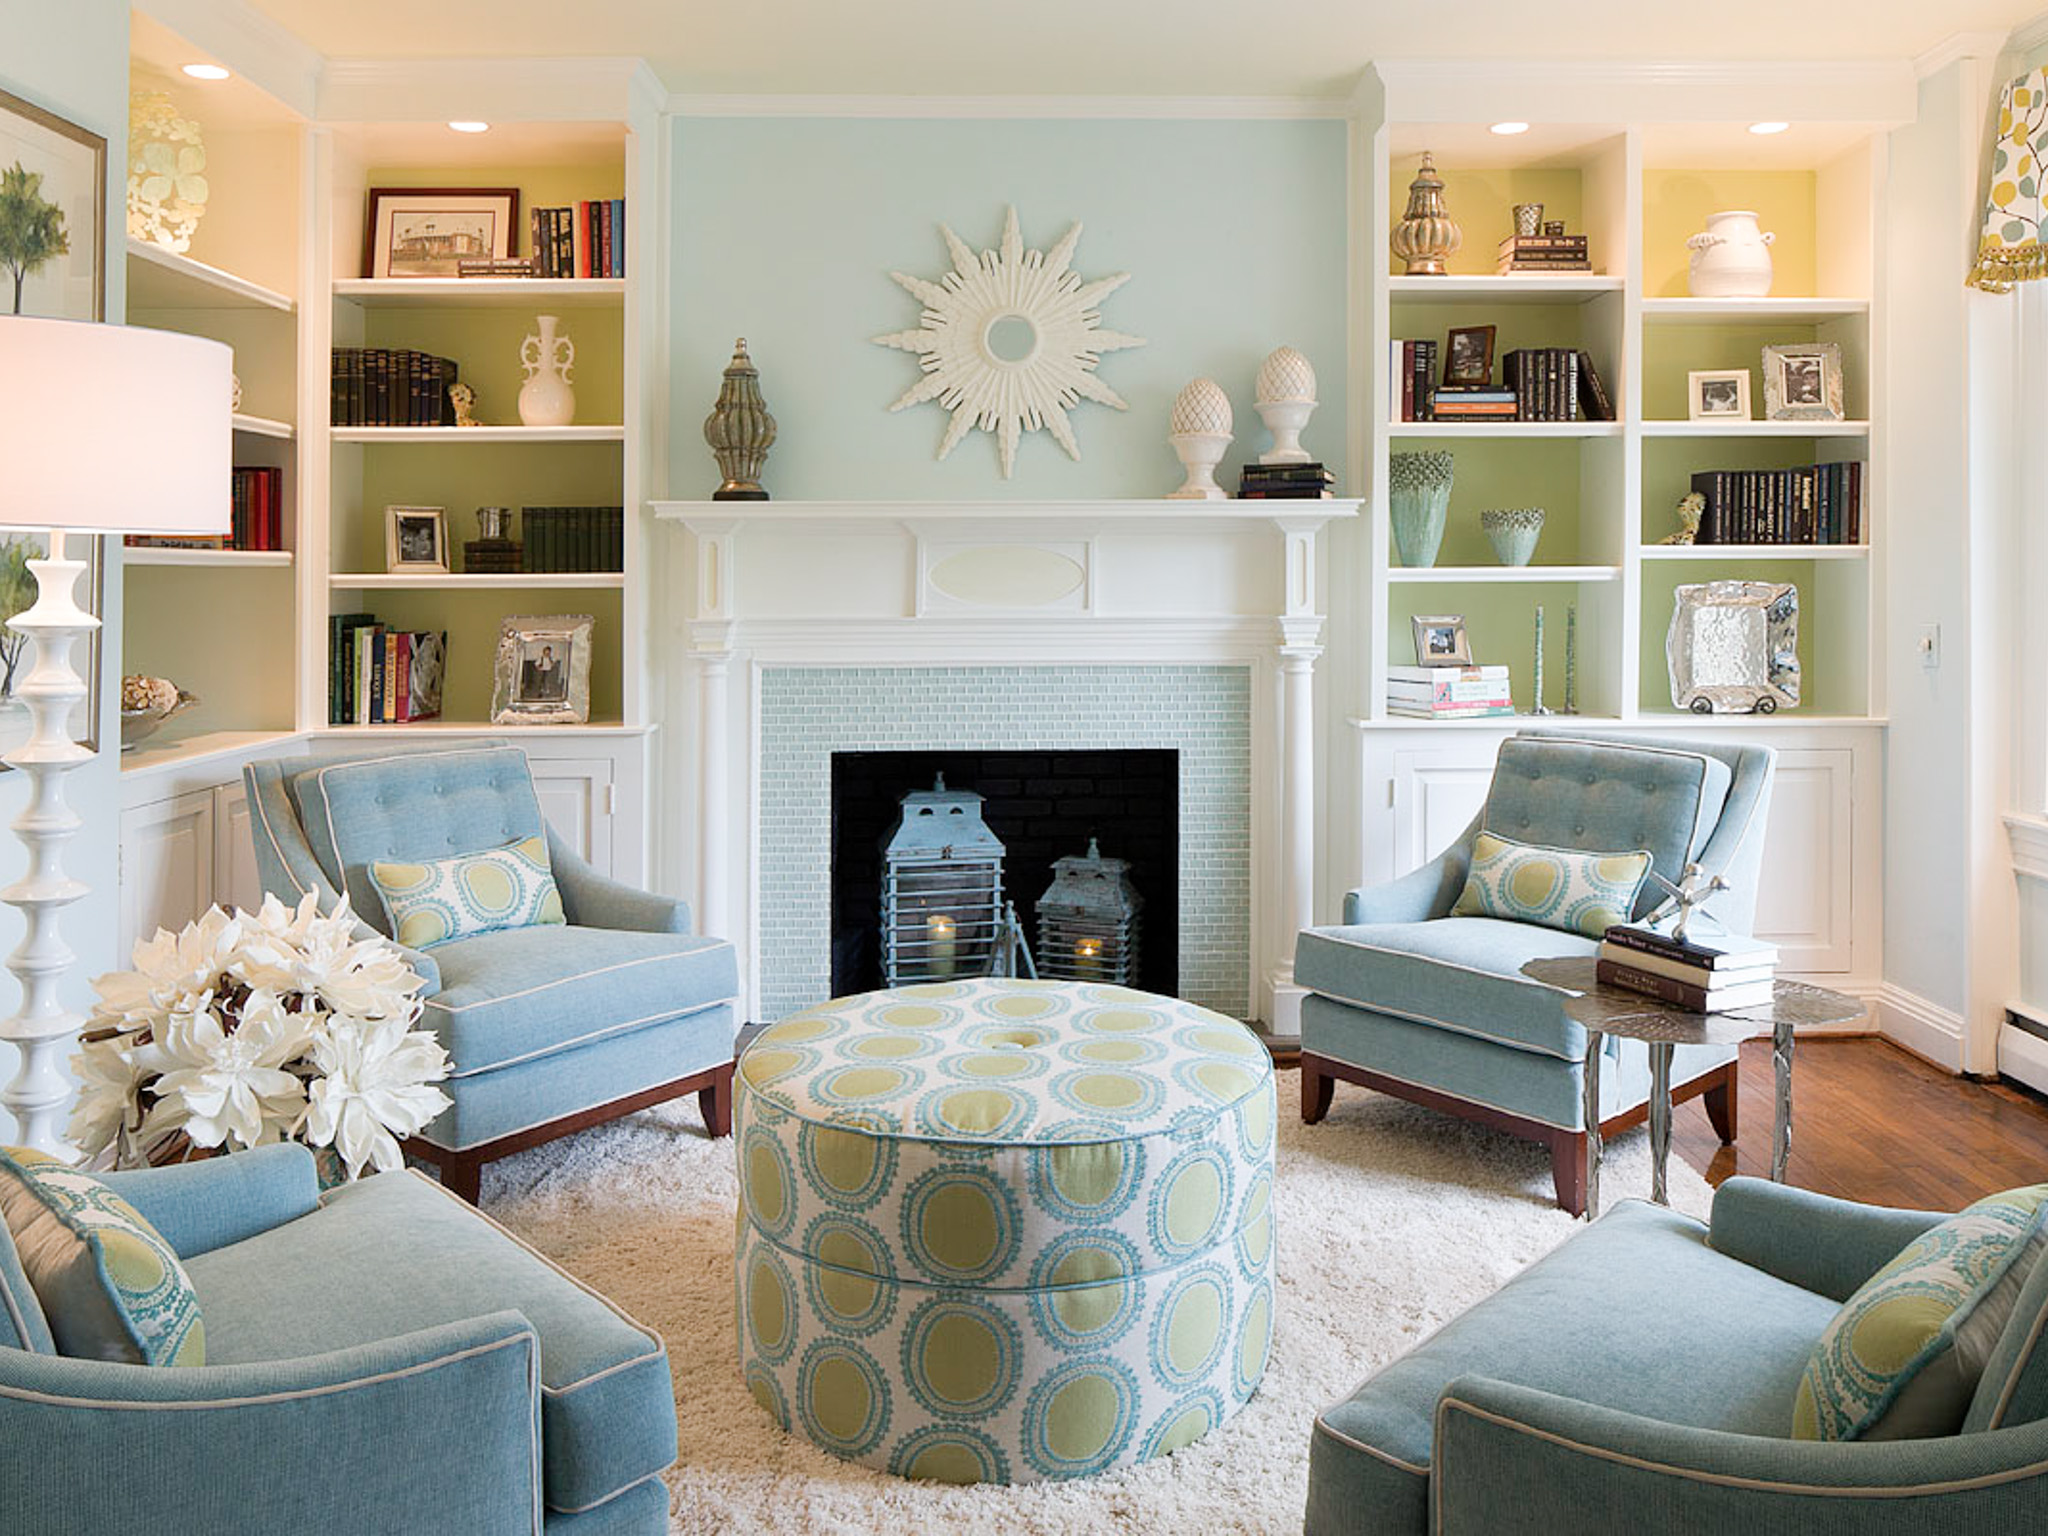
(1419, 502)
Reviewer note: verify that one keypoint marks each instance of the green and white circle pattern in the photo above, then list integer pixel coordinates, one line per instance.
(1002, 1231)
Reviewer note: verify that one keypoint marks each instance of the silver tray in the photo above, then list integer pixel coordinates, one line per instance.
(1734, 647)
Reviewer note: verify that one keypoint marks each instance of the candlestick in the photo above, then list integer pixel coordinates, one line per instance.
(1539, 708)
(939, 934)
(1571, 659)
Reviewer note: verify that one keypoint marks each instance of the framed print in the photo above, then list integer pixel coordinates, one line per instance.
(1803, 382)
(53, 205)
(1468, 355)
(416, 539)
(543, 670)
(1717, 394)
(1440, 640)
(426, 231)
(17, 595)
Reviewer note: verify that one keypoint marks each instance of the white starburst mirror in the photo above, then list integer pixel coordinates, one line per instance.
(1009, 341)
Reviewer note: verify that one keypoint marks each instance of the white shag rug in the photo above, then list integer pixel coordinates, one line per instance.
(1391, 1220)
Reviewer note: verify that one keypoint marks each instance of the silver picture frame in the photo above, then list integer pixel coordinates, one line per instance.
(1733, 647)
(542, 674)
(1440, 640)
(1803, 382)
(416, 540)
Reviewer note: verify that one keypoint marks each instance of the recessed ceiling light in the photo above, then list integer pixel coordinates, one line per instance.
(206, 72)
(470, 127)
(1768, 127)
(1507, 128)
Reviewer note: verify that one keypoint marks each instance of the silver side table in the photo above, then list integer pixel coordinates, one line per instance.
(1608, 1010)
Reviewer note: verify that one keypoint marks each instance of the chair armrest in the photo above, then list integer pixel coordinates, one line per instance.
(593, 900)
(221, 1200)
(1513, 1461)
(1420, 896)
(437, 1430)
(1826, 1246)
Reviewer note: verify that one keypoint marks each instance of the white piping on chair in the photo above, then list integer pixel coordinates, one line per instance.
(1322, 1427)
(263, 816)
(602, 1034)
(2019, 1365)
(563, 981)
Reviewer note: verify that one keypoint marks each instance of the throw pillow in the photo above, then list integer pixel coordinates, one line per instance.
(1903, 1357)
(1583, 893)
(472, 893)
(110, 1286)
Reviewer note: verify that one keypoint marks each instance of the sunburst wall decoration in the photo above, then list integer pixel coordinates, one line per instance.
(1010, 340)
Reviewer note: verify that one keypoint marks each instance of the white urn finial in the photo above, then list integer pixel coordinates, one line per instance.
(1199, 429)
(1285, 399)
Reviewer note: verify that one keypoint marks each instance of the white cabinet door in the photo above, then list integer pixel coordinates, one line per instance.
(576, 797)
(1806, 904)
(236, 883)
(167, 864)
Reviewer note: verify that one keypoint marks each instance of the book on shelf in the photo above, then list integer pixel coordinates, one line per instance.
(390, 387)
(1684, 970)
(1407, 711)
(1492, 672)
(1559, 246)
(1593, 400)
(572, 539)
(497, 266)
(1810, 504)
(1450, 691)
(1709, 952)
(583, 239)
(380, 676)
(1285, 482)
(1413, 379)
(1545, 381)
(255, 515)
(1719, 999)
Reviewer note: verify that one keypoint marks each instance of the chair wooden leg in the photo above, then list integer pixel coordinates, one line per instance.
(1317, 1089)
(1722, 1100)
(1568, 1170)
(716, 1103)
(463, 1176)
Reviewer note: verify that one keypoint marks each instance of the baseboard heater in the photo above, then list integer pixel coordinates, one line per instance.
(2023, 1049)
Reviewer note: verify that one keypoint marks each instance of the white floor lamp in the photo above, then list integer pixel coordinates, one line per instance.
(103, 429)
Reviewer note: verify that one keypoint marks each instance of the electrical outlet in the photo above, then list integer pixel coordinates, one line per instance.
(1930, 647)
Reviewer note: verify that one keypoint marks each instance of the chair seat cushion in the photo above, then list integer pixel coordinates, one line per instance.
(523, 993)
(396, 1253)
(1634, 1313)
(1458, 973)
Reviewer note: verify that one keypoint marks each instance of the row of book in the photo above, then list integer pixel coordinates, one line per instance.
(573, 539)
(390, 387)
(255, 515)
(1543, 253)
(1813, 504)
(381, 676)
(1537, 384)
(586, 240)
(1448, 693)
(1709, 975)
(1285, 482)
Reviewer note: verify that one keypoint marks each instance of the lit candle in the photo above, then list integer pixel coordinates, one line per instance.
(938, 933)
(1088, 959)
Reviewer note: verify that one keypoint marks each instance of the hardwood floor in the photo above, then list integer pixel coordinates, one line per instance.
(1873, 1123)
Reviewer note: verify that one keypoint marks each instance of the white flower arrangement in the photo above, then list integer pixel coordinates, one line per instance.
(252, 1028)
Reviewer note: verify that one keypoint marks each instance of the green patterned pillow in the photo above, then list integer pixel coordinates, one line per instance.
(1903, 1357)
(472, 893)
(110, 1286)
(1583, 893)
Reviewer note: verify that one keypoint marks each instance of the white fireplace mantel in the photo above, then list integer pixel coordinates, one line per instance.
(914, 583)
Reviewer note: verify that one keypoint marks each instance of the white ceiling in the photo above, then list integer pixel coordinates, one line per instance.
(1092, 47)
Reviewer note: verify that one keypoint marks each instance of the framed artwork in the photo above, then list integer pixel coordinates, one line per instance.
(1717, 394)
(425, 231)
(1803, 382)
(1468, 355)
(1441, 641)
(53, 208)
(543, 670)
(17, 595)
(416, 539)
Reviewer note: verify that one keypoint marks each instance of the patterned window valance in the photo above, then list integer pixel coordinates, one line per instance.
(2010, 249)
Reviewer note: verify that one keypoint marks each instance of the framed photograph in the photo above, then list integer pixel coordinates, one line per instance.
(53, 199)
(1803, 382)
(1717, 394)
(1468, 355)
(427, 231)
(416, 539)
(17, 594)
(543, 671)
(1440, 640)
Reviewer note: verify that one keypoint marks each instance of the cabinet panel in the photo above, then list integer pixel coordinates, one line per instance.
(576, 797)
(236, 883)
(167, 865)
(1805, 903)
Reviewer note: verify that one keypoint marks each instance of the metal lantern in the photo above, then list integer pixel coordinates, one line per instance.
(942, 890)
(1088, 920)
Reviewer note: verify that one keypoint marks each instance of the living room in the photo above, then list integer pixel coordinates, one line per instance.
(984, 771)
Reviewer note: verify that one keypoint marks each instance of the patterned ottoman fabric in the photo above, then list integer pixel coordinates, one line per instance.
(1001, 1231)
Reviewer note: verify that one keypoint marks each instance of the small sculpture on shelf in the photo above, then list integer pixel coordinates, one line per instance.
(1694, 890)
(146, 703)
(740, 430)
(463, 398)
(1200, 430)
(1691, 508)
(1426, 233)
(1285, 398)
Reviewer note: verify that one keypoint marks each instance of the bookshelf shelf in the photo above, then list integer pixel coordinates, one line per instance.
(483, 292)
(508, 581)
(1509, 288)
(479, 437)
(486, 727)
(264, 426)
(1758, 429)
(1756, 552)
(225, 559)
(1402, 575)
(1523, 429)
(161, 279)
(1788, 311)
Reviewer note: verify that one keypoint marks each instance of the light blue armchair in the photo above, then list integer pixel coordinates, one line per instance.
(381, 1360)
(1641, 1378)
(548, 1029)
(1412, 1002)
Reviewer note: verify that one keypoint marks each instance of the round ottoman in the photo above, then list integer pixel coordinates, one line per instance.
(1001, 1231)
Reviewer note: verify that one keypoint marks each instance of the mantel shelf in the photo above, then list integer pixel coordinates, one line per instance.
(1162, 516)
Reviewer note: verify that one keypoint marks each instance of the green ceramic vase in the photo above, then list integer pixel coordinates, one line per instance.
(1419, 502)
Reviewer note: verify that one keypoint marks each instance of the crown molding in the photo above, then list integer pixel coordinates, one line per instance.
(546, 90)
(2029, 35)
(1965, 45)
(1183, 108)
(1878, 92)
(262, 51)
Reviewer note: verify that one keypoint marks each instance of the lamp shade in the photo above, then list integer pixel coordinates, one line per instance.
(113, 428)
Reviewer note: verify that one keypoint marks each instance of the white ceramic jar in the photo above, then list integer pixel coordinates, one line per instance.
(1731, 258)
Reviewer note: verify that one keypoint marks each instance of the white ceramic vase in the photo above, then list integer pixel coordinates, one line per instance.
(1285, 398)
(1731, 258)
(1199, 429)
(545, 399)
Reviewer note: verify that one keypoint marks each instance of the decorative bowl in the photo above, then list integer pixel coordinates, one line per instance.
(138, 725)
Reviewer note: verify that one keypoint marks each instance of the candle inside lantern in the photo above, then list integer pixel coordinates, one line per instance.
(1088, 959)
(939, 933)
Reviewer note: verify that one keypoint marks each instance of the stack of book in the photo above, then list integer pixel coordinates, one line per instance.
(587, 240)
(572, 539)
(1708, 975)
(380, 676)
(493, 557)
(1473, 402)
(1545, 381)
(255, 515)
(1414, 376)
(1543, 253)
(1285, 482)
(1814, 504)
(1448, 693)
(389, 387)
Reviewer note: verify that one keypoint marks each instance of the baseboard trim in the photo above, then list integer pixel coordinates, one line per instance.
(1927, 1030)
